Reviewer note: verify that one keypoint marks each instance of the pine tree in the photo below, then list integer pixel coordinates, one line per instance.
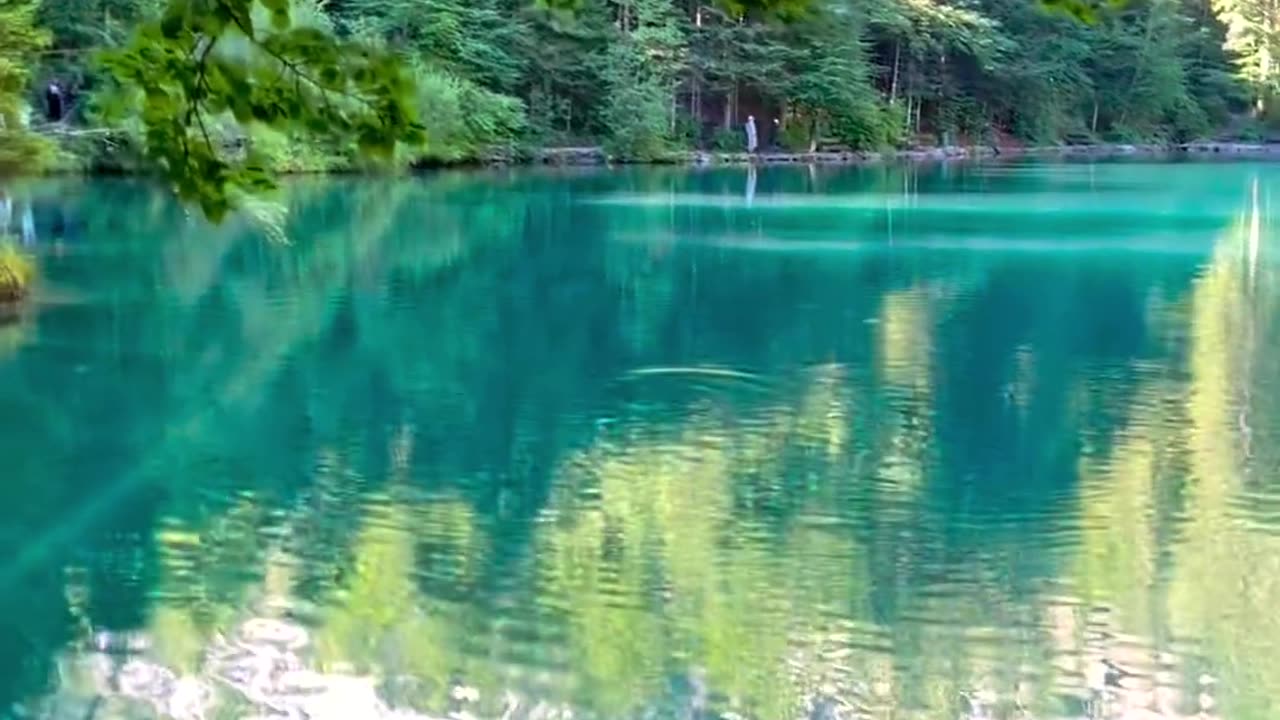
(468, 59)
(1138, 70)
(481, 40)
(1253, 35)
(828, 79)
(1040, 88)
(642, 72)
(1213, 85)
(565, 70)
(729, 54)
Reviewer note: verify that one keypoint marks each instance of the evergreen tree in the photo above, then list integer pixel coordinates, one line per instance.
(1253, 35)
(566, 72)
(642, 72)
(729, 54)
(481, 40)
(828, 79)
(1042, 90)
(1139, 70)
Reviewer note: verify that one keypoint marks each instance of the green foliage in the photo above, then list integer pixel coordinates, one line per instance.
(78, 29)
(1252, 39)
(16, 272)
(726, 140)
(1087, 11)
(828, 79)
(291, 152)
(565, 79)
(637, 118)
(795, 137)
(22, 151)
(868, 127)
(222, 95)
(20, 39)
(738, 8)
(206, 58)
(785, 9)
(641, 75)
(636, 107)
(475, 39)
(463, 120)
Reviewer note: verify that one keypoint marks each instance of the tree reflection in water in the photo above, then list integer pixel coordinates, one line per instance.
(619, 445)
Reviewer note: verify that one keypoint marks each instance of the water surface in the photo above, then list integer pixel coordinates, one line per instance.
(948, 442)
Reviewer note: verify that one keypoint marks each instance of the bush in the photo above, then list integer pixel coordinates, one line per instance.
(1189, 122)
(107, 152)
(16, 273)
(795, 136)
(24, 152)
(464, 121)
(962, 118)
(288, 153)
(1126, 134)
(726, 140)
(688, 133)
(868, 127)
(637, 122)
(548, 118)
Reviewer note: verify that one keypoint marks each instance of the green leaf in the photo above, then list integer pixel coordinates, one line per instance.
(239, 12)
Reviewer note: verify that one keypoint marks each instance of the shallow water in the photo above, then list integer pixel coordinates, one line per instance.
(953, 442)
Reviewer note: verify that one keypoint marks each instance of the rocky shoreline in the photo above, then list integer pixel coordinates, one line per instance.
(588, 156)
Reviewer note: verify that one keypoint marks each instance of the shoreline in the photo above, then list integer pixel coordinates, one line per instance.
(585, 157)
(596, 156)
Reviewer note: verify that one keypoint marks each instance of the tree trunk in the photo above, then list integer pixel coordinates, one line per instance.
(1264, 72)
(695, 85)
(1138, 68)
(674, 105)
(893, 84)
(1093, 127)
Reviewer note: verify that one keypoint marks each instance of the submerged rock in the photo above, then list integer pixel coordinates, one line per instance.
(274, 632)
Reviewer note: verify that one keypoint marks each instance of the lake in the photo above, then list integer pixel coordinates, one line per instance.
(909, 443)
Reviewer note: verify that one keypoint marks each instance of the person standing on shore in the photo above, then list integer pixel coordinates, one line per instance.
(55, 102)
(753, 140)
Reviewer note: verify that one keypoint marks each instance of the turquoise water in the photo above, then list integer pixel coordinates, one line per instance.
(951, 442)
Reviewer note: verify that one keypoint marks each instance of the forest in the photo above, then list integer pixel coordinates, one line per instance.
(119, 83)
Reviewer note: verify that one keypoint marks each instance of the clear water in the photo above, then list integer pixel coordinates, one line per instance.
(953, 442)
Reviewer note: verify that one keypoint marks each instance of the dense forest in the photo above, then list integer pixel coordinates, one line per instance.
(641, 77)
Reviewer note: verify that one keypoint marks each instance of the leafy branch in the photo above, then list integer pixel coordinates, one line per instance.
(177, 71)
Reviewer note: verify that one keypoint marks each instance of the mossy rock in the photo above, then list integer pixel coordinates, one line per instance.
(16, 273)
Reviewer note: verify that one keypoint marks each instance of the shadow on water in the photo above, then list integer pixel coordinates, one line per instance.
(521, 444)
